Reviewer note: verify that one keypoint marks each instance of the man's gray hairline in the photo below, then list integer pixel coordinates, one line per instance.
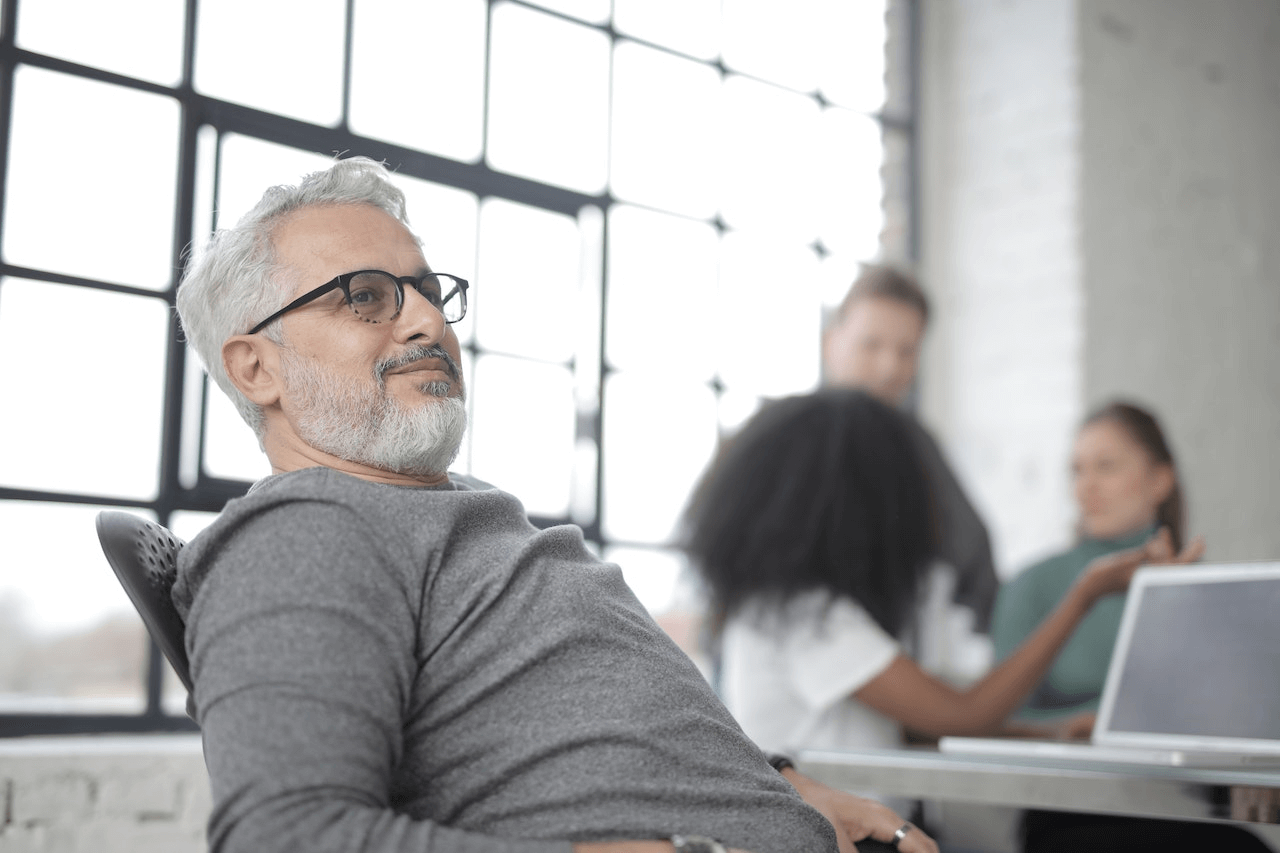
(279, 274)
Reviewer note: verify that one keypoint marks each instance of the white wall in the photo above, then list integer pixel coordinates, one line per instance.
(1180, 214)
(1101, 180)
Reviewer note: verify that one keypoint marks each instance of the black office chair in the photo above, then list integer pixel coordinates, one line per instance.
(144, 557)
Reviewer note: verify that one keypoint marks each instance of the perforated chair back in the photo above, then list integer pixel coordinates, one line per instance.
(144, 557)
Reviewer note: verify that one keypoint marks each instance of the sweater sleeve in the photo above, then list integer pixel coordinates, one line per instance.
(301, 641)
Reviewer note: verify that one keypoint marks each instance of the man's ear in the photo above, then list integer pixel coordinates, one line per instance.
(252, 363)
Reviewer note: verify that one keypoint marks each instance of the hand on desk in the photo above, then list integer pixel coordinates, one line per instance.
(856, 818)
(1075, 727)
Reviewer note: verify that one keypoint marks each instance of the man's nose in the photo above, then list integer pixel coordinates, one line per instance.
(419, 318)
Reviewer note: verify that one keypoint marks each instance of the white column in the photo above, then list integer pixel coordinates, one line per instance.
(1001, 379)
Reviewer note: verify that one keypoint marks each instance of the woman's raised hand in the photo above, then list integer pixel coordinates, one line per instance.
(1112, 572)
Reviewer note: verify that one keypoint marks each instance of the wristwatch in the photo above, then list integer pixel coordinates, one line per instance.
(696, 844)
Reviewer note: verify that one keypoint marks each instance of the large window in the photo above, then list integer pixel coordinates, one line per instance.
(655, 200)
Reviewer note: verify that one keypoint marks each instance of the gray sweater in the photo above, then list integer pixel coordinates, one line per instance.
(380, 668)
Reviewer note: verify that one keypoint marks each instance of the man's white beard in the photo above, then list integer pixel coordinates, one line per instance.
(363, 423)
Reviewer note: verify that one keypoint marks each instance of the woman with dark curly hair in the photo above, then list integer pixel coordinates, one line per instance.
(812, 531)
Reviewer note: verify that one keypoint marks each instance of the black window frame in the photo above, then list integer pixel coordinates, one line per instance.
(198, 111)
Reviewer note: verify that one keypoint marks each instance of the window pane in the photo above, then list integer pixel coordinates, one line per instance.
(662, 290)
(691, 27)
(230, 448)
(591, 11)
(88, 420)
(652, 573)
(589, 311)
(186, 525)
(445, 219)
(522, 432)
(832, 46)
(849, 200)
(526, 298)
(775, 42)
(444, 72)
(150, 47)
(851, 60)
(117, 224)
(836, 273)
(204, 216)
(658, 436)
(769, 316)
(665, 130)
(769, 173)
(69, 638)
(582, 510)
(264, 54)
(250, 165)
(173, 695)
(548, 99)
(736, 408)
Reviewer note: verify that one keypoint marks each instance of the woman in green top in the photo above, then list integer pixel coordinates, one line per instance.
(1126, 485)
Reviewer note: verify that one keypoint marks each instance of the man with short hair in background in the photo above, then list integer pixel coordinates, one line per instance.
(387, 657)
(873, 343)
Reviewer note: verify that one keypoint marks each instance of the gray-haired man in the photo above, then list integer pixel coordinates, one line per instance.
(390, 658)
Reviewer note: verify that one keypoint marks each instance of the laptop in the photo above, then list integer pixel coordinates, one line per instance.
(1194, 678)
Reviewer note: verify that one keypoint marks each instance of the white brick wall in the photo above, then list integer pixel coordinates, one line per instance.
(103, 795)
(1002, 371)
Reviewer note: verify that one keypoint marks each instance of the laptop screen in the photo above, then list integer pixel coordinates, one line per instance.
(1199, 656)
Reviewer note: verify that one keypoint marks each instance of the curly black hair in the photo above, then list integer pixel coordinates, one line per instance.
(823, 490)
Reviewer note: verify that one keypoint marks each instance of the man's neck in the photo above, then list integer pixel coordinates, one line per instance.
(286, 456)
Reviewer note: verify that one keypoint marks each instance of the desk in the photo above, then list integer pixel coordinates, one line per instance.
(1182, 793)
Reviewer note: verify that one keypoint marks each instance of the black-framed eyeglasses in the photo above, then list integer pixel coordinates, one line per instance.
(377, 296)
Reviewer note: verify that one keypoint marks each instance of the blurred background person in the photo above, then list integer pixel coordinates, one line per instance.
(812, 532)
(873, 343)
(1128, 493)
(1126, 486)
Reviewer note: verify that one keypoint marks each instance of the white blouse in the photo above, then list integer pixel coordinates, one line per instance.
(789, 677)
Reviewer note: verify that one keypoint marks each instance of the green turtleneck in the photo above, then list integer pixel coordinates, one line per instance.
(1075, 681)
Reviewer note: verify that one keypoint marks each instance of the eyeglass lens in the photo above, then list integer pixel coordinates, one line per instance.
(375, 297)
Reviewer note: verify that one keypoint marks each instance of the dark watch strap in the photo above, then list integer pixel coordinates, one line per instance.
(781, 762)
(696, 844)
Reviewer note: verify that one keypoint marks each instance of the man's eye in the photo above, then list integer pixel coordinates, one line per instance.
(366, 296)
